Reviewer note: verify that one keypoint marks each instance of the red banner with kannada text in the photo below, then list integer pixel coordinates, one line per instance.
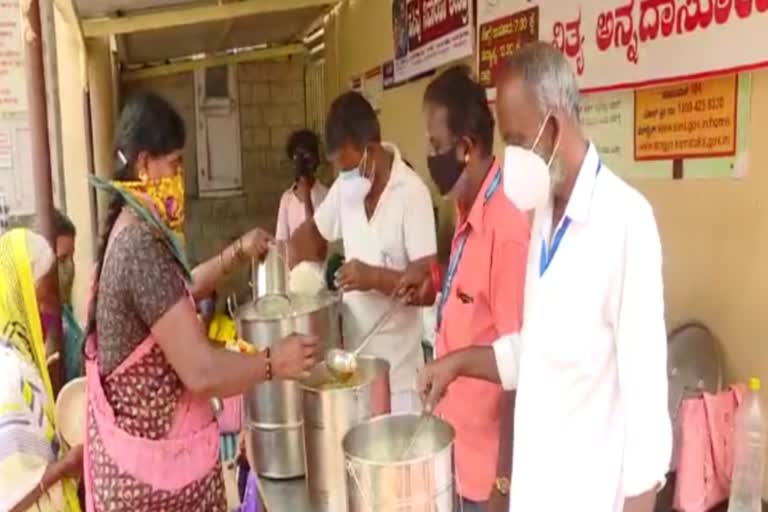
(430, 33)
(621, 44)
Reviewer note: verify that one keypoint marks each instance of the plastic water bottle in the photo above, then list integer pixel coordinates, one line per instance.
(749, 455)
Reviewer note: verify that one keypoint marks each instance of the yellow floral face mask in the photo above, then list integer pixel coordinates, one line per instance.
(163, 196)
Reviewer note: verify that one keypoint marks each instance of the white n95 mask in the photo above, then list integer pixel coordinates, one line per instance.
(354, 186)
(527, 179)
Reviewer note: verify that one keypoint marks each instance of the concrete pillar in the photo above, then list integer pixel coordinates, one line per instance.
(102, 94)
(52, 97)
(74, 156)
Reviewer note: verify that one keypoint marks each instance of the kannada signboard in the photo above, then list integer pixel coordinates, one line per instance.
(430, 33)
(13, 93)
(624, 44)
(689, 120)
(499, 38)
(611, 120)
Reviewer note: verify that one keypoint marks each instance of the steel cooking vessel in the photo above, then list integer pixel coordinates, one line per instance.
(328, 415)
(273, 410)
(378, 478)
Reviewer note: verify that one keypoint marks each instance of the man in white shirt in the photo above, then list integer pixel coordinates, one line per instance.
(299, 202)
(592, 431)
(382, 211)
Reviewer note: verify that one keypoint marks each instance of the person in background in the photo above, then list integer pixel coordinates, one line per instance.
(382, 211)
(35, 475)
(299, 202)
(151, 368)
(592, 429)
(482, 296)
(65, 232)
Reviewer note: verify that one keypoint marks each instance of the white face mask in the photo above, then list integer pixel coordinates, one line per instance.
(354, 186)
(527, 178)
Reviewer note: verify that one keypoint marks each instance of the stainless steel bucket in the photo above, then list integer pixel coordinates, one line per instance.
(328, 415)
(378, 480)
(273, 410)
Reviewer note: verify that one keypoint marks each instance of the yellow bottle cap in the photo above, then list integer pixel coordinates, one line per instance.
(754, 384)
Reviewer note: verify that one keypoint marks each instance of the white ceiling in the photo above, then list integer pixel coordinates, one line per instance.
(159, 45)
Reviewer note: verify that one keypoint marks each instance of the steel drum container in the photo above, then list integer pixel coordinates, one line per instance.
(273, 410)
(328, 414)
(380, 478)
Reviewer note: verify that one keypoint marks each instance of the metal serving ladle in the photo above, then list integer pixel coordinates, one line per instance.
(342, 363)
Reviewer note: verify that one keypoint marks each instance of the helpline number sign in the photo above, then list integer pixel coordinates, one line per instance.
(691, 120)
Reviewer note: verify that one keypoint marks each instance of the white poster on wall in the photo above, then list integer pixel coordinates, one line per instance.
(6, 148)
(623, 44)
(16, 184)
(13, 92)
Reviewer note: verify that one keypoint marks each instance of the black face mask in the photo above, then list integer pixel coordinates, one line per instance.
(445, 170)
(304, 165)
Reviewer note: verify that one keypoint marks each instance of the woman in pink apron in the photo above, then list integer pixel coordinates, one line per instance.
(152, 441)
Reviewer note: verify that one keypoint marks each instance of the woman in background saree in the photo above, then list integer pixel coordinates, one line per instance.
(32, 476)
(152, 441)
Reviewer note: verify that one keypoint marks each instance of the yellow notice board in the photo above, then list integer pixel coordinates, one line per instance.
(689, 120)
(626, 126)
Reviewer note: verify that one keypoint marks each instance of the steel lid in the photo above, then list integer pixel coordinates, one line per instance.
(694, 365)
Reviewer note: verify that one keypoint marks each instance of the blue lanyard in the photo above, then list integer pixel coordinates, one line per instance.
(548, 255)
(453, 265)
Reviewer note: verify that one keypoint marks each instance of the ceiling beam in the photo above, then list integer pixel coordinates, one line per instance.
(207, 62)
(178, 16)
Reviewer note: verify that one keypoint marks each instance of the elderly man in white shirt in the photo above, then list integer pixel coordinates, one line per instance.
(592, 431)
(382, 211)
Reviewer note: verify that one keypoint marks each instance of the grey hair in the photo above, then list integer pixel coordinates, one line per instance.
(549, 77)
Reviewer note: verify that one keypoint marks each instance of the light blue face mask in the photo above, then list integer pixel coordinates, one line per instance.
(355, 187)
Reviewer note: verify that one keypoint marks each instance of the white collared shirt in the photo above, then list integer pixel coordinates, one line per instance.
(591, 421)
(401, 230)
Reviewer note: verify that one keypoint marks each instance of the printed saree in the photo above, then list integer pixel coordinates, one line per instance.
(151, 444)
(28, 442)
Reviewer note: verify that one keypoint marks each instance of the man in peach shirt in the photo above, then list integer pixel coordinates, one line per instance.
(482, 292)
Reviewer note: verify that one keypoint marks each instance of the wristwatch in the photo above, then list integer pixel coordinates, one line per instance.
(502, 485)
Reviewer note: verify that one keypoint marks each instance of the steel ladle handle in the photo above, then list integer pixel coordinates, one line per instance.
(379, 324)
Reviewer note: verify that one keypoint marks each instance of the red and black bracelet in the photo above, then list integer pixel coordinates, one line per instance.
(437, 277)
(268, 356)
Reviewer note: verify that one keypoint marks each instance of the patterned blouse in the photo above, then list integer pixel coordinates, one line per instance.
(139, 283)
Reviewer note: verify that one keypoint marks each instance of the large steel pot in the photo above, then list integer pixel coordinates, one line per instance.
(380, 478)
(273, 410)
(328, 414)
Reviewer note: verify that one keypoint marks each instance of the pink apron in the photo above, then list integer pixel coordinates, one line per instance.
(125, 472)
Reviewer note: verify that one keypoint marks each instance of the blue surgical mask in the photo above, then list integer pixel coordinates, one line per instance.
(354, 186)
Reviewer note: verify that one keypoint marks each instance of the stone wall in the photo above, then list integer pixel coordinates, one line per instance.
(271, 107)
